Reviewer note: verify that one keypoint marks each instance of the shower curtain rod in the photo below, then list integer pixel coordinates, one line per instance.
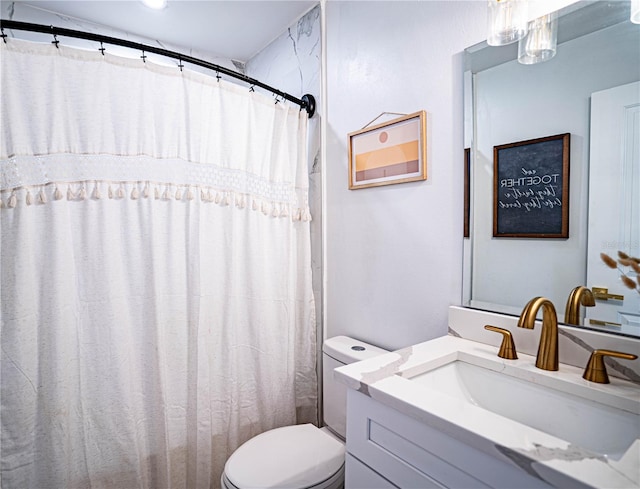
(307, 102)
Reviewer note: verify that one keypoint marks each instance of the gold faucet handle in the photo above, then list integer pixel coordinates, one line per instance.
(596, 370)
(602, 294)
(508, 346)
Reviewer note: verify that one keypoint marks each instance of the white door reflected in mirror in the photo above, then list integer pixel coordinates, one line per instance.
(614, 221)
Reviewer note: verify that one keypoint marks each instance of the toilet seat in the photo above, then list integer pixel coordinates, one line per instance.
(300, 456)
(336, 481)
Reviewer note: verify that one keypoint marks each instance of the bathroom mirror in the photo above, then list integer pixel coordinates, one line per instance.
(507, 102)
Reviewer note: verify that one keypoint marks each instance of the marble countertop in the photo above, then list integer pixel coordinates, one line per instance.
(386, 378)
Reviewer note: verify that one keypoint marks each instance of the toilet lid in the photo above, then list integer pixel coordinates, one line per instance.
(289, 457)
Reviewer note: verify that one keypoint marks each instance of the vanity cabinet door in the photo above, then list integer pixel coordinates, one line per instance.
(359, 476)
(384, 440)
(412, 454)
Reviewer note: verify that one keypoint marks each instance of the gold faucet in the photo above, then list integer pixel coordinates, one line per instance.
(547, 358)
(579, 295)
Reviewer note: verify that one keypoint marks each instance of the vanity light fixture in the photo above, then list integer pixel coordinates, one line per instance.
(635, 11)
(541, 40)
(506, 21)
(155, 4)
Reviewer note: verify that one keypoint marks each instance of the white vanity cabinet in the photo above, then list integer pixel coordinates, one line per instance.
(450, 413)
(361, 476)
(394, 449)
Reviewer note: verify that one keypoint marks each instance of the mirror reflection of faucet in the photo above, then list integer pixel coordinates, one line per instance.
(547, 358)
(579, 295)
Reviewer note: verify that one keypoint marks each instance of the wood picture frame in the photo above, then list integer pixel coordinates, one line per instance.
(389, 153)
(531, 188)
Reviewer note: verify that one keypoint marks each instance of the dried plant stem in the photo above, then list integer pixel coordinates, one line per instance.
(626, 261)
(610, 262)
(629, 283)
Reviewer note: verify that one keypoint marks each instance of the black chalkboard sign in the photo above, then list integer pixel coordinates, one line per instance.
(531, 188)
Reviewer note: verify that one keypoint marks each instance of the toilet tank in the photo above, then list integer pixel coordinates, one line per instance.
(336, 352)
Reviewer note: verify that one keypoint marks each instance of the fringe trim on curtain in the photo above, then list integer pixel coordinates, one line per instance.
(95, 190)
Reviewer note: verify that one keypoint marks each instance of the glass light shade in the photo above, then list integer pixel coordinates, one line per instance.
(541, 41)
(506, 21)
(155, 4)
(635, 11)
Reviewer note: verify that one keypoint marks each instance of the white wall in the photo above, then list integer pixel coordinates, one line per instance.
(394, 253)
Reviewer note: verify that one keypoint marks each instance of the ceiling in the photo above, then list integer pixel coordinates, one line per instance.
(234, 29)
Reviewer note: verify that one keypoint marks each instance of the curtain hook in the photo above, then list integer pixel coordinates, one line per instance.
(218, 75)
(55, 41)
(3, 35)
(144, 58)
(180, 65)
(101, 48)
(252, 89)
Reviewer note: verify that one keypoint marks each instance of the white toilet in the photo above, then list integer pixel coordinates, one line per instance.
(302, 456)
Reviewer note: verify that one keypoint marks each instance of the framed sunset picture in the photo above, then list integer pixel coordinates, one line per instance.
(392, 152)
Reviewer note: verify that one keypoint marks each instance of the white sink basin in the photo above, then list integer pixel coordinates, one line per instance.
(598, 427)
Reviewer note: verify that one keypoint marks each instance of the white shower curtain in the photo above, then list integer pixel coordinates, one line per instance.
(157, 308)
